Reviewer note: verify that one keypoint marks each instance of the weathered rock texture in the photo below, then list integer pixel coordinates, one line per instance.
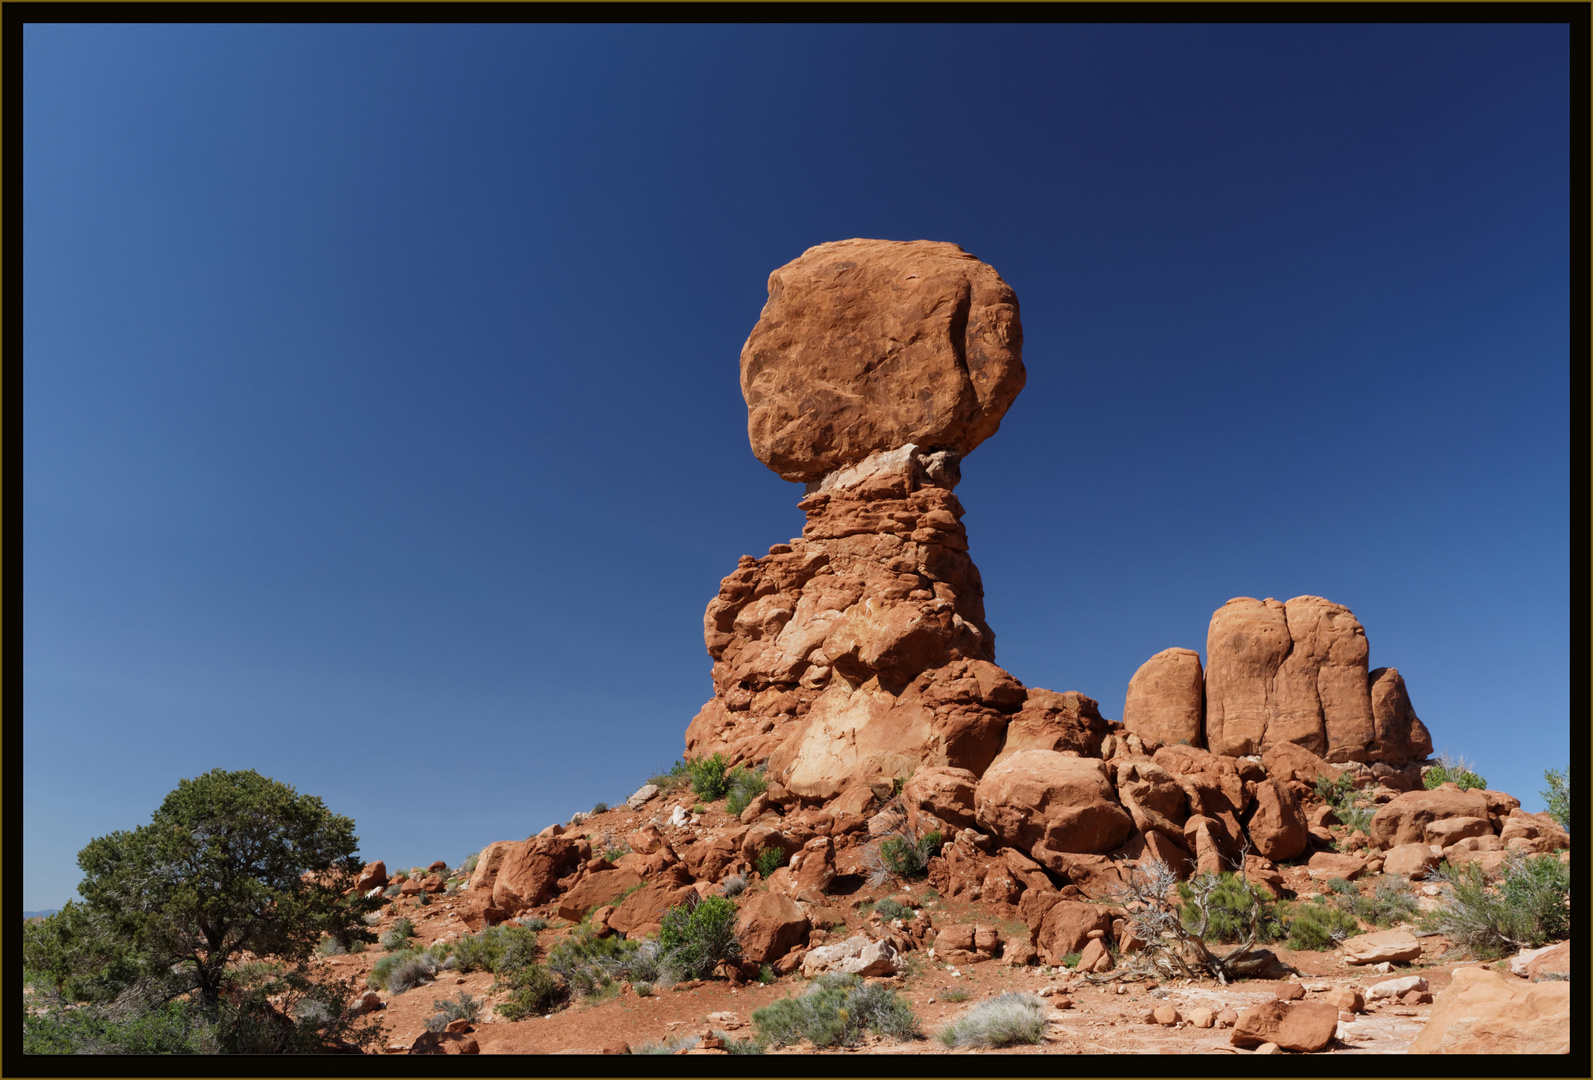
(1296, 672)
(1166, 699)
(868, 345)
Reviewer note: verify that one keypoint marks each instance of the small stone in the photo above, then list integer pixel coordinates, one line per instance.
(1289, 992)
(1268, 1048)
(1166, 1015)
(1202, 1017)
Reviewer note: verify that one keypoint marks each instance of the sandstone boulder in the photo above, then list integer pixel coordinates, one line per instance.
(1399, 736)
(1536, 833)
(1042, 801)
(769, 927)
(1410, 861)
(1166, 699)
(1277, 828)
(1386, 946)
(1065, 927)
(1292, 762)
(530, 870)
(1152, 797)
(1288, 672)
(1487, 1012)
(595, 890)
(854, 956)
(1448, 831)
(373, 876)
(488, 861)
(945, 794)
(1051, 721)
(1389, 989)
(1301, 1026)
(867, 345)
(1404, 819)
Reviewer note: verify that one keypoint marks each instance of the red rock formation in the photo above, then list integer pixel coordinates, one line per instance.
(1296, 672)
(1166, 699)
(869, 345)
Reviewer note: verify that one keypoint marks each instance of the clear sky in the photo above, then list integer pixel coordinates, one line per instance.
(381, 420)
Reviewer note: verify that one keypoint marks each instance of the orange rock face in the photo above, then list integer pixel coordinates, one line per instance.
(1166, 698)
(868, 345)
(1293, 672)
(859, 651)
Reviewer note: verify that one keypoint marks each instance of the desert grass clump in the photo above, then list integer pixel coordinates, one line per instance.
(902, 857)
(835, 1011)
(400, 971)
(397, 936)
(331, 946)
(891, 908)
(1389, 902)
(675, 777)
(469, 866)
(744, 785)
(771, 859)
(1316, 926)
(734, 885)
(1452, 768)
(1006, 1020)
(463, 1007)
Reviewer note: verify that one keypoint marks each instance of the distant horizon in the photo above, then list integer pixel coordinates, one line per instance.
(382, 428)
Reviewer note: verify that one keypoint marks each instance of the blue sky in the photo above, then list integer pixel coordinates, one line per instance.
(381, 424)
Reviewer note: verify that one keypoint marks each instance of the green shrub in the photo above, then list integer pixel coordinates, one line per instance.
(1390, 901)
(532, 922)
(1452, 768)
(835, 1011)
(400, 971)
(486, 951)
(600, 808)
(1005, 1020)
(1557, 797)
(331, 946)
(1071, 960)
(744, 785)
(469, 866)
(174, 1027)
(1229, 910)
(954, 996)
(708, 776)
(464, 1007)
(694, 939)
(765, 974)
(1353, 810)
(892, 908)
(1316, 926)
(532, 989)
(643, 989)
(1530, 904)
(397, 936)
(771, 859)
(902, 857)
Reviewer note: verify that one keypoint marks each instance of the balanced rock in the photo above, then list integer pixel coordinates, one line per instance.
(1166, 698)
(868, 345)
